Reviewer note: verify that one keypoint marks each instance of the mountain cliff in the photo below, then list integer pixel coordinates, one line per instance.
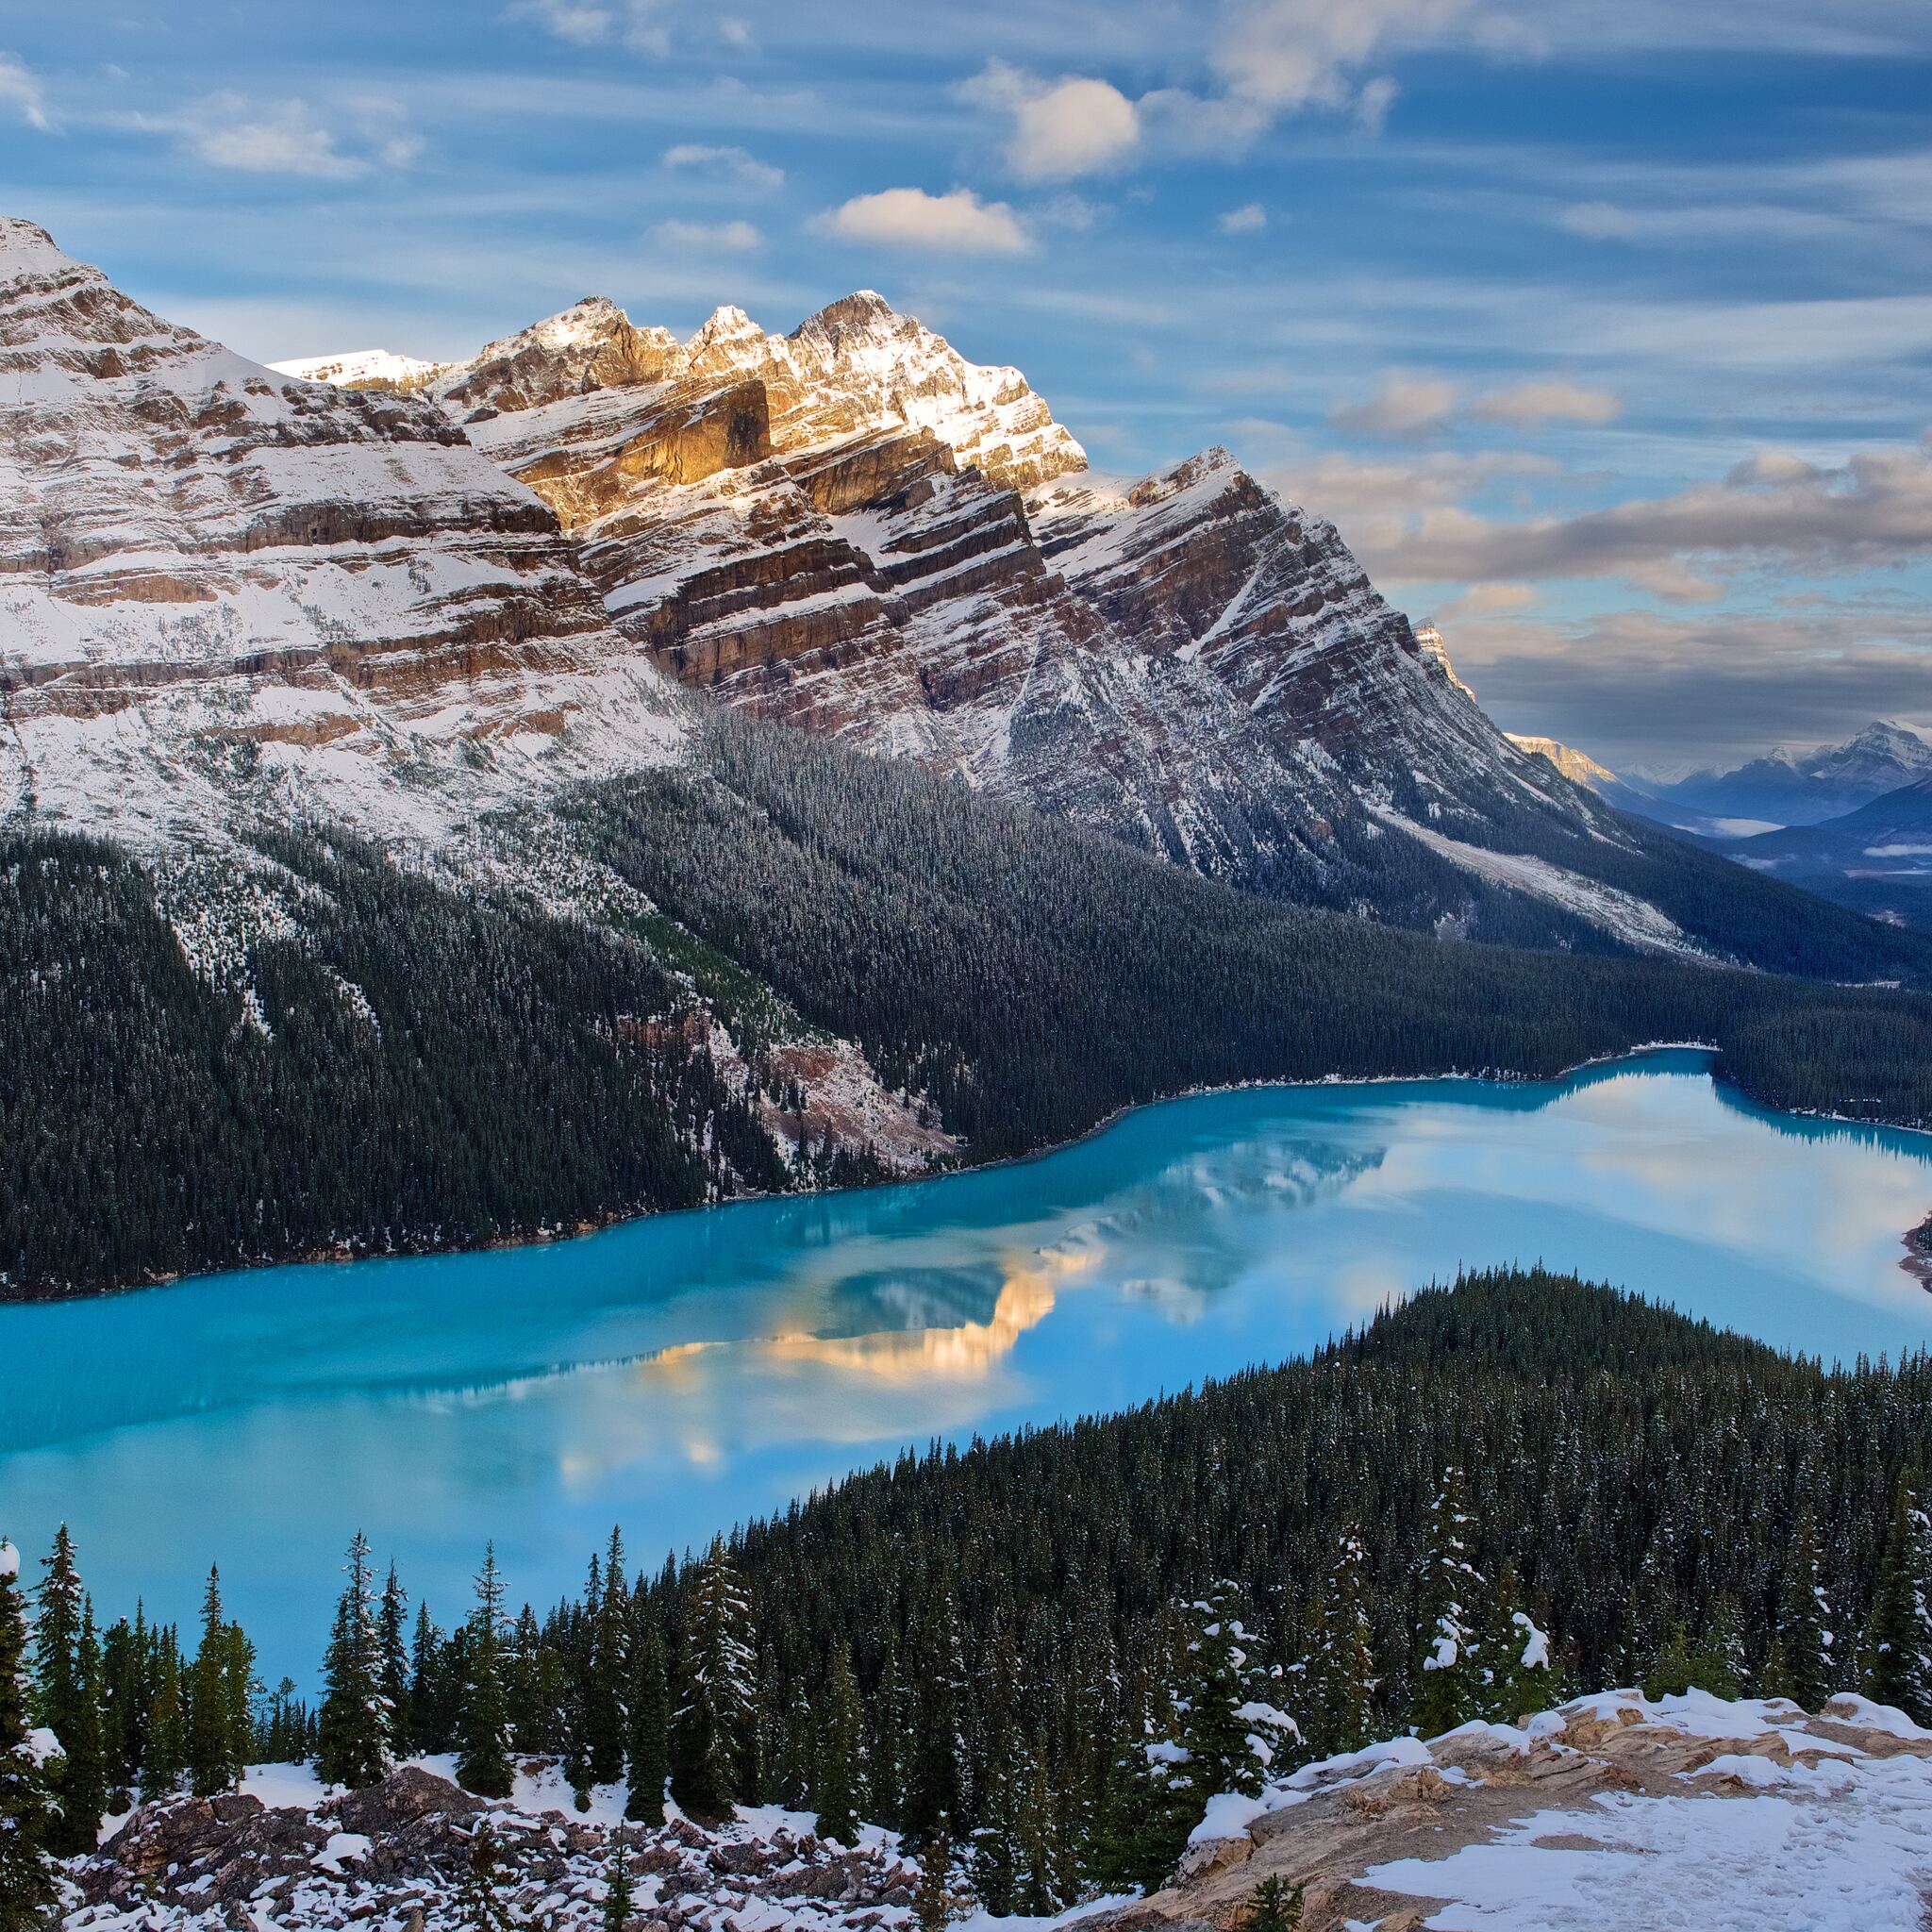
(852, 529)
(217, 579)
(1787, 786)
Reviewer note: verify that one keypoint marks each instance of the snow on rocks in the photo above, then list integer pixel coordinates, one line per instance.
(395, 1857)
(1613, 1811)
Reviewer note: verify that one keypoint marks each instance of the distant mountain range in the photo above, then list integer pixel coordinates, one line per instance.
(1851, 822)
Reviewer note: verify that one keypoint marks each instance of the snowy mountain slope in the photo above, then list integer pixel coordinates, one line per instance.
(1612, 1813)
(215, 580)
(853, 529)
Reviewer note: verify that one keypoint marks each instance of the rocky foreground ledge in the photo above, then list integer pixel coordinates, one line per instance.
(1612, 1812)
(396, 1858)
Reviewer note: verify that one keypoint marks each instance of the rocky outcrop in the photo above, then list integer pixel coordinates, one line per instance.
(402, 1853)
(1512, 1819)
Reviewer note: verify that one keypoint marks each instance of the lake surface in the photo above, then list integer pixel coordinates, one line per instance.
(679, 1374)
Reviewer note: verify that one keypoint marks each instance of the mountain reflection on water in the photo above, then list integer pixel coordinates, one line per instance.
(679, 1374)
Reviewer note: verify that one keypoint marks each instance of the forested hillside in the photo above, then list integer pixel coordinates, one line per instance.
(383, 1062)
(1051, 1649)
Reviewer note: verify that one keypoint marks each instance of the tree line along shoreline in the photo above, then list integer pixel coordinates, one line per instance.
(1046, 1652)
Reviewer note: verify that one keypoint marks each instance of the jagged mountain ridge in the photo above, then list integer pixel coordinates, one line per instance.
(206, 566)
(1788, 787)
(855, 530)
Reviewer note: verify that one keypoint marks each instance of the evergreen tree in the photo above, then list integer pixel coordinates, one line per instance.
(164, 1765)
(619, 1891)
(936, 1766)
(1898, 1634)
(1515, 1656)
(392, 1638)
(127, 1692)
(1338, 1679)
(481, 1900)
(1448, 1679)
(711, 1730)
(647, 1744)
(84, 1764)
(1802, 1665)
(1041, 1891)
(483, 1725)
(219, 1686)
(1273, 1905)
(884, 1745)
(1229, 1731)
(933, 1900)
(353, 1744)
(66, 1702)
(1718, 1663)
(607, 1671)
(429, 1730)
(26, 1817)
(1670, 1674)
(841, 1756)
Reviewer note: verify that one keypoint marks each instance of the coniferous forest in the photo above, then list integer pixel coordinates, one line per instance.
(396, 1064)
(1052, 1648)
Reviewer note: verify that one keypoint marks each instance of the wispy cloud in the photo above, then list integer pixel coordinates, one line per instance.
(707, 238)
(1249, 218)
(1403, 406)
(957, 222)
(638, 23)
(1524, 403)
(21, 96)
(734, 164)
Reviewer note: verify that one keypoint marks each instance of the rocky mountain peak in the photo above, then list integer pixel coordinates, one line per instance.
(863, 313)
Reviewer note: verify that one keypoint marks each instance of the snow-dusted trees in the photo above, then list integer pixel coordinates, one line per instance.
(607, 1676)
(392, 1644)
(1335, 1689)
(483, 1725)
(1448, 1682)
(711, 1731)
(355, 1735)
(838, 1780)
(67, 1665)
(1801, 1664)
(936, 1762)
(1898, 1636)
(26, 1872)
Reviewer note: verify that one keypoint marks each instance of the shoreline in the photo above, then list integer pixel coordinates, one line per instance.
(603, 1224)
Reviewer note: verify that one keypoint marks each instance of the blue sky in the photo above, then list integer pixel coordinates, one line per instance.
(1604, 331)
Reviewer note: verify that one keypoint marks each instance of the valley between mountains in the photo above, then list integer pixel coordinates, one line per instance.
(445, 803)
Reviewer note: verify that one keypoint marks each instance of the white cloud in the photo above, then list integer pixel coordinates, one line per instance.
(1488, 600)
(1403, 406)
(1249, 218)
(707, 238)
(1373, 103)
(20, 95)
(1062, 128)
(286, 138)
(1551, 401)
(959, 223)
(1283, 55)
(590, 22)
(724, 164)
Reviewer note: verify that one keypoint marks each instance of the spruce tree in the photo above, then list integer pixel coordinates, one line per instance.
(1718, 1662)
(126, 1674)
(1273, 1905)
(936, 1770)
(710, 1734)
(1515, 1656)
(607, 1671)
(393, 1635)
(480, 1899)
(1448, 1678)
(26, 1816)
(427, 1730)
(84, 1761)
(1338, 1679)
(1230, 1732)
(483, 1723)
(933, 1903)
(1802, 1666)
(353, 1746)
(1898, 1662)
(219, 1687)
(1670, 1674)
(647, 1742)
(164, 1764)
(841, 1746)
(885, 1743)
(65, 1702)
(619, 1891)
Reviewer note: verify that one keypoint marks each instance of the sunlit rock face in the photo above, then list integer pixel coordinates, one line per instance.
(201, 557)
(854, 529)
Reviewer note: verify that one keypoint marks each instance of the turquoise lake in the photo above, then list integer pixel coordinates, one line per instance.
(679, 1374)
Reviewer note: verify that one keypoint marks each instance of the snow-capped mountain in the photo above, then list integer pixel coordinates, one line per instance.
(1788, 787)
(215, 578)
(854, 529)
